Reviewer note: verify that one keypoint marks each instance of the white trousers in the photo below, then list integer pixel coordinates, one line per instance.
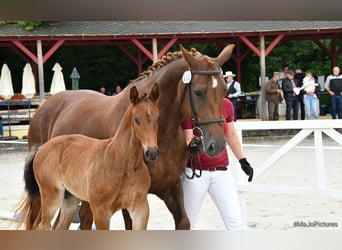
(221, 187)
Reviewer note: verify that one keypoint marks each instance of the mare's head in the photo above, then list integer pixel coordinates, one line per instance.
(201, 92)
(145, 114)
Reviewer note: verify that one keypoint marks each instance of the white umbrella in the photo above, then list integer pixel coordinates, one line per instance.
(6, 91)
(6, 87)
(57, 84)
(29, 84)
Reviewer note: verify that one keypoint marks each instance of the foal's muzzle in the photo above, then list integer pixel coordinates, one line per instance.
(151, 154)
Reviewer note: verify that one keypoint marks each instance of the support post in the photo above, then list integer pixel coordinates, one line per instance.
(40, 70)
(263, 77)
(154, 49)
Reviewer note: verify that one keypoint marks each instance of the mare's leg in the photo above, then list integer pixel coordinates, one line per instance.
(140, 213)
(86, 216)
(127, 219)
(175, 203)
(67, 213)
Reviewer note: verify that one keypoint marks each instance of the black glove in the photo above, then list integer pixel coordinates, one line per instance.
(195, 145)
(246, 167)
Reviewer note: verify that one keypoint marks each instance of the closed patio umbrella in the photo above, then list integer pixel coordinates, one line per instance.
(28, 85)
(57, 84)
(6, 91)
(6, 87)
(28, 82)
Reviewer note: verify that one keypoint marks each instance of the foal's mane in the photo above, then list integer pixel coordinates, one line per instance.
(166, 59)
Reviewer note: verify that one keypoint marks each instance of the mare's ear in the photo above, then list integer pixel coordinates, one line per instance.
(225, 54)
(190, 59)
(154, 94)
(134, 95)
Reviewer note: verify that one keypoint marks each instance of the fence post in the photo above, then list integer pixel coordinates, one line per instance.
(320, 170)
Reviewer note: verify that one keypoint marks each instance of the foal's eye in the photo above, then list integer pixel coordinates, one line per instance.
(137, 121)
(198, 92)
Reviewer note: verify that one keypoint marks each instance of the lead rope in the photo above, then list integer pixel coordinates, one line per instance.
(194, 158)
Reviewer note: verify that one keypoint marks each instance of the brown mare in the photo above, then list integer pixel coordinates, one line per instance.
(98, 116)
(110, 174)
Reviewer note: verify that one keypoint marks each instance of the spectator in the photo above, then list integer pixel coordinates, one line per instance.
(104, 91)
(284, 72)
(311, 94)
(333, 85)
(233, 90)
(299, 76)
(118, 89)
(273, 97)
(290, 91)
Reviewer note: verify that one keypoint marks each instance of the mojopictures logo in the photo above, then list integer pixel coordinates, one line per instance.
(314, 224)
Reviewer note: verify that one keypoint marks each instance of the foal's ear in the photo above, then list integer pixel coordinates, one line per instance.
(154, 95)
(134, 95)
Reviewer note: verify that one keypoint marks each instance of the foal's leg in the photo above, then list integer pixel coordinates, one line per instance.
(140, 213)
(51, 200)
(102, 215)
(67, 213)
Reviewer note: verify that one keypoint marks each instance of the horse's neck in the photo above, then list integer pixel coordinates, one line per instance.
(169, 104)
(124, 134)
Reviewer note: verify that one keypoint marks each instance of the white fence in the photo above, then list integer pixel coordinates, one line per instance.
(307, 127)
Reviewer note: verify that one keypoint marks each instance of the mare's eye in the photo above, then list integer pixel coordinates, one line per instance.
(198, 92)
(137, 121)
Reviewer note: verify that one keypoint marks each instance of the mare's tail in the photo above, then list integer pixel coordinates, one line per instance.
(29, 208)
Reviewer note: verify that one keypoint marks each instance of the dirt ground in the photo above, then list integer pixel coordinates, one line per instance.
(263, 211)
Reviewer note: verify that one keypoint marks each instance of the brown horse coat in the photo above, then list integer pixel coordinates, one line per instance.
(98, 116)
(110, 174)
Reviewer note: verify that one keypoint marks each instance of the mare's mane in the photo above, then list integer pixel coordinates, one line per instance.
(166, 59)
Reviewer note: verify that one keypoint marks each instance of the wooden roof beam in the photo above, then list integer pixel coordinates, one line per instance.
(34, 57)
(269, 48)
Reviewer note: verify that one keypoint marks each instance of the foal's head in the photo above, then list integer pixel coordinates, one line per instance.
(145, 114)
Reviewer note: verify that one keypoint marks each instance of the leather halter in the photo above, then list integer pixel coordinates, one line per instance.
(196, 123)
(187, 82)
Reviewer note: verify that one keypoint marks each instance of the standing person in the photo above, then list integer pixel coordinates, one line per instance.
(333, 85)
(311, 89)
(214, 175)
(289, 87)
(299, 76)
(273, 97)
(118, 89)
(233, 90)
(104, 91)
(285, 71)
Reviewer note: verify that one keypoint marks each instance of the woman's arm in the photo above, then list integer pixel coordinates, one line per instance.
(234, 141)
(188, 135)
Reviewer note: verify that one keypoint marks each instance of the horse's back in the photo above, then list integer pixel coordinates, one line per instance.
(74, 112)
